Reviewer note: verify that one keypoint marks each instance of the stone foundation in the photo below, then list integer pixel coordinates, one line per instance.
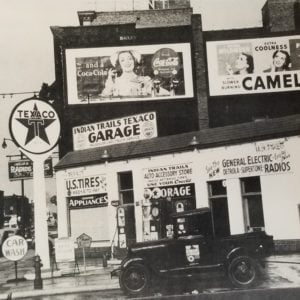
(283, 246)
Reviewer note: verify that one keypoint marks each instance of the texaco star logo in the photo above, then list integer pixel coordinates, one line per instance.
(35, 126)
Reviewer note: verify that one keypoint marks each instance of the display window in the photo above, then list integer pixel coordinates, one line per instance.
(219, 206)
(252, 204)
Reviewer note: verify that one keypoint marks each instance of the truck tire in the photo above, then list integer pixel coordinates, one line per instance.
(243, 272)
(135, 279)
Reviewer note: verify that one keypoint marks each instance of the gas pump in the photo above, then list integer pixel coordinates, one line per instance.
(126, 225)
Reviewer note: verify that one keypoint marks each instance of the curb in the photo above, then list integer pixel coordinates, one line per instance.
(58, 291)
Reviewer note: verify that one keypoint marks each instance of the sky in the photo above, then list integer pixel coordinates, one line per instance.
(27, 58)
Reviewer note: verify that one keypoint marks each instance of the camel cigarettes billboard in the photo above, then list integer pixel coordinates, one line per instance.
(251, 66)
(116, 131)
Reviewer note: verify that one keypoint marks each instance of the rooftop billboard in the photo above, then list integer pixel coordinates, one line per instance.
(129, 73)
(251, 66)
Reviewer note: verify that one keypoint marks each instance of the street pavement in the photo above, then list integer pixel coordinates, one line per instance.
(281, 272)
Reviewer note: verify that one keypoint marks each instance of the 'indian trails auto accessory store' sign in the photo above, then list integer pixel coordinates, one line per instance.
(87, 192)
(169, 181)
(115, 131)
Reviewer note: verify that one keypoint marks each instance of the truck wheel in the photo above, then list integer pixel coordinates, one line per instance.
(135, 279)
(242, 272)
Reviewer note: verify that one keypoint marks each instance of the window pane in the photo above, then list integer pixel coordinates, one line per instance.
(127, 197)
(256, 217)
(217, 188)
(251, 184)
(125, 181)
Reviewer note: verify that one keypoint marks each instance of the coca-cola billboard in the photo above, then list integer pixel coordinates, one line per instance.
(129, 73)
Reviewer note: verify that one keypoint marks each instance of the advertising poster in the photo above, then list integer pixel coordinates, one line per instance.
(168, 175)
(86, 185)
(171, 181)
(23, 169)
(250, 66)
(266, 158)
(129, 73)
(116, 131)
(90, 201)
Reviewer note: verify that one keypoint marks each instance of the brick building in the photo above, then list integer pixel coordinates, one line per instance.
(204, 135)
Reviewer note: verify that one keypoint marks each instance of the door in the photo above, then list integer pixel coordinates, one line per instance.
(188, 254)
(219, 208)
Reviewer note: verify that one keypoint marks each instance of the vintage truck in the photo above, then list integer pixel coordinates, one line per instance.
(194, 249)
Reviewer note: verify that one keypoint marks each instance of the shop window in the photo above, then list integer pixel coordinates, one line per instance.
(126, 187)
(252, 204)
(219, 207)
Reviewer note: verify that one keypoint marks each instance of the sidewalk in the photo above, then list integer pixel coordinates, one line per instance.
(282, 271)
(94, 278)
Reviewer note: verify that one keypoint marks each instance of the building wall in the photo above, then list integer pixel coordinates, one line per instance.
(279, 188)
(173, 115)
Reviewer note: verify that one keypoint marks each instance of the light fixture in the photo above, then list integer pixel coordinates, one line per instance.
(105, 155)
(194, 141)
(4, 144)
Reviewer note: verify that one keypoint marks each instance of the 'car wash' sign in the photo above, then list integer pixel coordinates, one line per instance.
(99, 200)
(23, 169)
(14, 248)
(116, 131)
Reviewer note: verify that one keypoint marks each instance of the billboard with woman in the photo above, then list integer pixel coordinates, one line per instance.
(129, 73)
(261, 65)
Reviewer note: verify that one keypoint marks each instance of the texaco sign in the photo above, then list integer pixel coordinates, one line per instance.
(34, 126)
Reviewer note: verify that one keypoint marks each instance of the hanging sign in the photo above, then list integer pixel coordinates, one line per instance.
(23, 169)
(34, 126)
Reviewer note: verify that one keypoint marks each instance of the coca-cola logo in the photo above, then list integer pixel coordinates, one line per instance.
(165, 62)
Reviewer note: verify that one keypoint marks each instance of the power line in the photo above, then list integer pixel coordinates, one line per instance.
(17, 93)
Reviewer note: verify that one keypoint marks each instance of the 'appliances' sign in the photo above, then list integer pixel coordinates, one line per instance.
(23, 169)
(116, 131)
(254, 65)
(98, 200)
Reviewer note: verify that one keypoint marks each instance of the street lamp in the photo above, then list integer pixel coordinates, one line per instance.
(4, 146)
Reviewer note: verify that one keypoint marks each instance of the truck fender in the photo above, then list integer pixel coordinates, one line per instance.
(235, 252)
(131, 260)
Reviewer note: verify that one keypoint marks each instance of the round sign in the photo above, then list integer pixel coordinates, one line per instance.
(165, 62)
(14, 248)
(34, 126)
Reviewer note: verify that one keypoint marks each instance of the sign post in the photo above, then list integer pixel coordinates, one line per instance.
(35, 128)
(15, 248)
(84, 241)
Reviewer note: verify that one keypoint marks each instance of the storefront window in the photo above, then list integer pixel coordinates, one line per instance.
(219, 207)
(252, 204)
(126, 187)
